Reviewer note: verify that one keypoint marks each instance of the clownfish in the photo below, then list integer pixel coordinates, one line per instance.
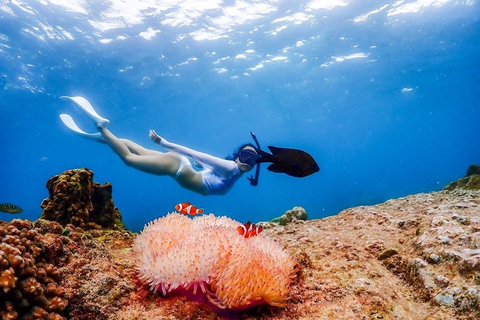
(187, 208)
(249, 230)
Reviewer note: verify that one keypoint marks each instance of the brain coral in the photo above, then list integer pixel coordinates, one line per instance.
(206, 255)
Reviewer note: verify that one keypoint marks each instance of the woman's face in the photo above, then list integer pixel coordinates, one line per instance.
(245, 167)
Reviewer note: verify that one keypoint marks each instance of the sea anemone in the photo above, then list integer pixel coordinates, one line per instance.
(207, 256)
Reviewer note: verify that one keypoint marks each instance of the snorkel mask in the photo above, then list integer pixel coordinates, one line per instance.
(248, 156)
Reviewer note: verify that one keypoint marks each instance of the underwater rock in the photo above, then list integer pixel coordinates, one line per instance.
(295, 214)
(390, 259)
(99, 273)
(74, 198)
(387, 261)
(470, 182)
(473, 169)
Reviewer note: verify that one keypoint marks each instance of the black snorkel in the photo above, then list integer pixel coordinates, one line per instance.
(254, 181)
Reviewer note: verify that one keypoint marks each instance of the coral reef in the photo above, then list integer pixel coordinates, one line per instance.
(416, 257)
(206, 254)
(29, 286)
(74, 198)
(99, 274)
(51, 272)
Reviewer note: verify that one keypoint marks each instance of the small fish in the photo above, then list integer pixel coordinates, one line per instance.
(249, 230)
(10, 208)
(187, 208)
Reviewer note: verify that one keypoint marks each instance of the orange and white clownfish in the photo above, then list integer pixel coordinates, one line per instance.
(249, 230)
(187, 208)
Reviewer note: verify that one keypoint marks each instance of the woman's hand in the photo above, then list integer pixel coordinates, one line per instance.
(154, 136)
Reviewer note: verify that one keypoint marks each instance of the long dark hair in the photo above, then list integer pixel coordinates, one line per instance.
(234, 155)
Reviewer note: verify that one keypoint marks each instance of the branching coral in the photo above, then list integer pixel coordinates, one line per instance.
(28, 285)
(206, 255)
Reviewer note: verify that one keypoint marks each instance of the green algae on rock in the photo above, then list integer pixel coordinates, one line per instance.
(295, 214)
(471, 181)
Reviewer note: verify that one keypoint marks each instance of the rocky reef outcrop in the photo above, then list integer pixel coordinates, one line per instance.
(416, 257)
(471, 181)
(296, 214)
(74, 198)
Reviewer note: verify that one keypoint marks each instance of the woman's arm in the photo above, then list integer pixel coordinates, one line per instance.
(221, 166)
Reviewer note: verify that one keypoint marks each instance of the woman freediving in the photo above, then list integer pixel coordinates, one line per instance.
(217, 176)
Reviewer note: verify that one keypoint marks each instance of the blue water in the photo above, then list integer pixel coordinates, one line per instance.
(384, 94)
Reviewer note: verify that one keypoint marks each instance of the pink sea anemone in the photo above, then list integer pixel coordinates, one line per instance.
(207, 256)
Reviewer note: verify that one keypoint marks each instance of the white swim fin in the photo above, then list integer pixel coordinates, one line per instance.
(70, 123)
(87, 107)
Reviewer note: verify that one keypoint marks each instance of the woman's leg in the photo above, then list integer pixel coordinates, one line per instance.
(157, 163)
(138, 149)
(154, 162)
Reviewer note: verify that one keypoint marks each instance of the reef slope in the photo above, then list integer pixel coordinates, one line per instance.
(416, 257)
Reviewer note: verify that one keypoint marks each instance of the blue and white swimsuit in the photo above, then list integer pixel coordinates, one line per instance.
(213, 183)
(218, 175)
